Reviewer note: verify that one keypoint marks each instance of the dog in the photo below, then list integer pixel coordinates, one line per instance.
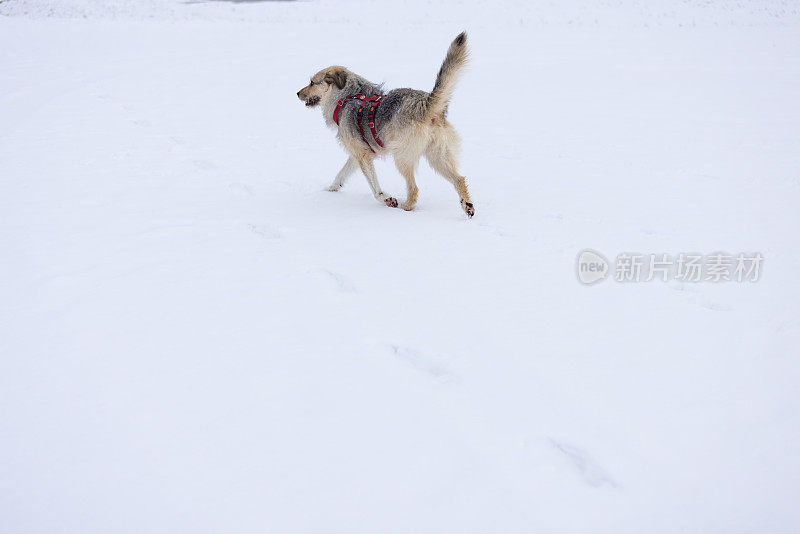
(406, 123)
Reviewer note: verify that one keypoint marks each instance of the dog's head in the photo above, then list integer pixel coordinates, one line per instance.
(321, 84)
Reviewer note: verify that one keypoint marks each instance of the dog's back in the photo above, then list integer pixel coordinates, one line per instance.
(405, 108)
(421, 105)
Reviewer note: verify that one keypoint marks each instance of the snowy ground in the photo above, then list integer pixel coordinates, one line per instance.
(196, 337)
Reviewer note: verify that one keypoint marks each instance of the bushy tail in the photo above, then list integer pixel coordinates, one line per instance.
(454, 62)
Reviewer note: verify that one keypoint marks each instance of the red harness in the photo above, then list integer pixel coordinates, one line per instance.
(373, 100)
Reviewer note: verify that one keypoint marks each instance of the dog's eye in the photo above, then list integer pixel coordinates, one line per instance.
(311, 83)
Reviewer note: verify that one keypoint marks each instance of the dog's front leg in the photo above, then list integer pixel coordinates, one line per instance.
(349, 168)
(372, 179)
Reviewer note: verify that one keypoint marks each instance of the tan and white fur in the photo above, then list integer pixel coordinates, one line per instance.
(409, 122)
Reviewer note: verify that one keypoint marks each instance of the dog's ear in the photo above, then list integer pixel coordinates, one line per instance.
(337, 77)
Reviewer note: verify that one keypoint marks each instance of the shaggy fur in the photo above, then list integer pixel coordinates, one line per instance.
(410, 123)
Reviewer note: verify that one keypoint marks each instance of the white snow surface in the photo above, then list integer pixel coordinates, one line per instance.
(196, 337)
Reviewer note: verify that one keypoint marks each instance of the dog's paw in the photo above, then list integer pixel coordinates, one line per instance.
(391, 202)
(469, 209)
(334, 187)
(406, 206)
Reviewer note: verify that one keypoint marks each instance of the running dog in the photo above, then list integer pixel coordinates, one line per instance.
(405, 123)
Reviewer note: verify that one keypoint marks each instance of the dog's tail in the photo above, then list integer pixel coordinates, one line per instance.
(453, 64)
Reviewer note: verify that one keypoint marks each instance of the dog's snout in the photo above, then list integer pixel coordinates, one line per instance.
(298, 94)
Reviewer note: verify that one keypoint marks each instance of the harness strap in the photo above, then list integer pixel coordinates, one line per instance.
(341, 103)
(371, 118)
(359, 116)
(373, 101)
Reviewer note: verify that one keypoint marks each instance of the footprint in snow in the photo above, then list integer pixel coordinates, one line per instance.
(240, 189)
(341, 282)
(688, 287)
(693, 291)
(265, 230)
(425, 363)
(204, 164)
(588, 469)
(714, 306)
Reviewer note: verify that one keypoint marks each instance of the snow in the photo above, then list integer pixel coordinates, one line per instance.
(197, 337)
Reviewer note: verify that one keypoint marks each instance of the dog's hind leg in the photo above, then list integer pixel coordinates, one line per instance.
(407, 170)
(372, 179)
(443, 161)
(349, 168)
